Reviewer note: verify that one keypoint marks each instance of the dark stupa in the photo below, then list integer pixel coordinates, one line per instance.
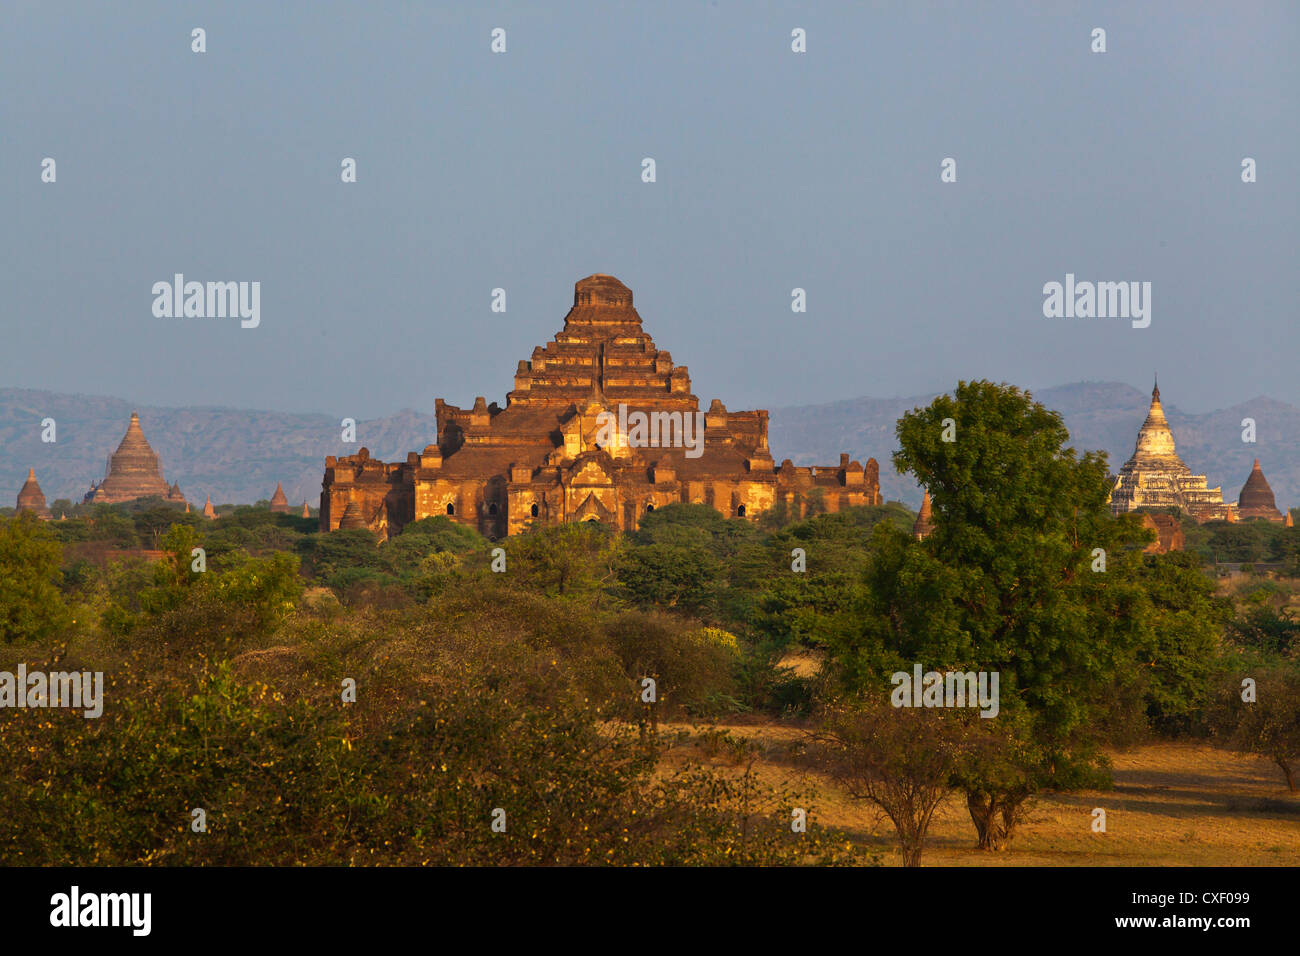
(1256, 499)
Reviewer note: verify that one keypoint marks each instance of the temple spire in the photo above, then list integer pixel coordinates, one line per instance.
(924, 525)
(31, 498)
(1156, 477)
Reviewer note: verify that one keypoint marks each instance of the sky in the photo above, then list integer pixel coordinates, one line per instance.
(523, 170)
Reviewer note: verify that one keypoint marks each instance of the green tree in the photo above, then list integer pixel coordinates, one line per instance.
(902, 761)
(1269, 725)
(31, 604)
(783, 605)
(1176, 655)
(328, 553)
(174, 573)
(576, 561)
(680, 557)
(1010, 581)
(1263, 627)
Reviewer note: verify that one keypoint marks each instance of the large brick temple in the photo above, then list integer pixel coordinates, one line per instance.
(549, 455)
(134, 471)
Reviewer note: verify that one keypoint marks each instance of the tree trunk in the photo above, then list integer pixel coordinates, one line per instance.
(1289, 771)
(991, 817)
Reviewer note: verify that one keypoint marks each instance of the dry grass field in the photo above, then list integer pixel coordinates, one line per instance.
(1174, 804)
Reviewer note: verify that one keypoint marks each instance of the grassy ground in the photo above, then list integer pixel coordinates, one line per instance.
(1174, 804)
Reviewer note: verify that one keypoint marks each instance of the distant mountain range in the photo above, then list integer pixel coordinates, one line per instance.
(236, 455)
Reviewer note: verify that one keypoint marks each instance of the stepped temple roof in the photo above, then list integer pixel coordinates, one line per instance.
(551, 455)
(134, 471)
(31, 498)
(1256, 498)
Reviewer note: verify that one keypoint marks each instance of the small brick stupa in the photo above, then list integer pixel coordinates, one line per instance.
(1169, 533)
(31, 498)
(279, 503)
(924, 526)
(134, 471)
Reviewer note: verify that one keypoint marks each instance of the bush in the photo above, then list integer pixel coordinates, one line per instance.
(462, 717)
(31, 605)
(693, 670)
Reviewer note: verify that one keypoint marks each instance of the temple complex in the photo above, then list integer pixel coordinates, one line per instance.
(31, 498)
(134, 471)
(551, 456)
(1155, 477)
(1256, 498)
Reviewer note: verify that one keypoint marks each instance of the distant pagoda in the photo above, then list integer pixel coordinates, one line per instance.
(1256, 498)
(31, 498)
(279, 503)
(134, 471)
(1155, 477)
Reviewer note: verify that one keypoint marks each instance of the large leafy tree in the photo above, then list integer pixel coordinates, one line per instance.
(1012, 581)
(1176, 658)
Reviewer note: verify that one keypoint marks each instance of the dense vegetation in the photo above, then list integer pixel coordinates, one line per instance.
(324, 698)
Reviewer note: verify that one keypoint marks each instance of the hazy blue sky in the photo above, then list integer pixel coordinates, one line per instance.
(523, 171)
